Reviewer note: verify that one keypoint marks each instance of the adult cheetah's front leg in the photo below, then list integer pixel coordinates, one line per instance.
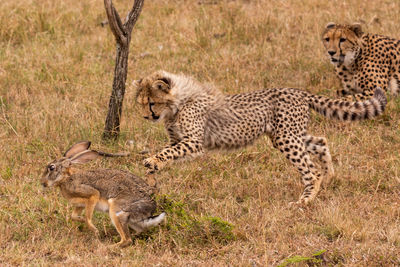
(184, 148)
(365, 83)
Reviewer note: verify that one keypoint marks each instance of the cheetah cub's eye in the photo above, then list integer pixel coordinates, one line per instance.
(327, 39)
(342, 40)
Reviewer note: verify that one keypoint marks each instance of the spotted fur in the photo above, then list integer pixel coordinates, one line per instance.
(362, 61)
(198, 117)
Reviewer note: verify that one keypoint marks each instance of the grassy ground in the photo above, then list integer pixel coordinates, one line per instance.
(56, 70)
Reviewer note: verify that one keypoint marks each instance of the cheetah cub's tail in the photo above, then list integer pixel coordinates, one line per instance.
(347, 110)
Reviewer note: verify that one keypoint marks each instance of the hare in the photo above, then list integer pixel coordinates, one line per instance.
(126, 197)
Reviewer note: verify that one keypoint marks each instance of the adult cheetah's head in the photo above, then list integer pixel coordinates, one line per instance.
(153, 95)
(342, 42)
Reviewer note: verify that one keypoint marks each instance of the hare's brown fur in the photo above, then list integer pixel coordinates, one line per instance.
(127, 198)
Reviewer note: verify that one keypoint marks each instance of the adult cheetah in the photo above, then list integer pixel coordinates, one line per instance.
(362, 61)
(199, 117)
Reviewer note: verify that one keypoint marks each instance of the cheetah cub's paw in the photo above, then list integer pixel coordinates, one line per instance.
(301, 203)
(297, 204)
(153, 164)
(330, 174)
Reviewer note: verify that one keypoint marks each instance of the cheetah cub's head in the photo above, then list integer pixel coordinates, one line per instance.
(153, 95)
(342, 42)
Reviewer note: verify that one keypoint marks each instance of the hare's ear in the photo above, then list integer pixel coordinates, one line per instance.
(85, 156)
(162, 84)
(77, 148)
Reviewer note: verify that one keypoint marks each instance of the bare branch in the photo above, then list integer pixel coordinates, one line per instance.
(115, 23)
(119, 22)
(133, 15)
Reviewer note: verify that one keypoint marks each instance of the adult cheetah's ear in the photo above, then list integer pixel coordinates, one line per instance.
(330, 25)
(163, 84)
(356, 28)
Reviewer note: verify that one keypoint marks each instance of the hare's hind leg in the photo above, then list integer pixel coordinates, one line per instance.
(140, 215)
(120, 221)
(140, 226)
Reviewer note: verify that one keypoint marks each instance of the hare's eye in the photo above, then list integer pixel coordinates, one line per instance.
(52, 167)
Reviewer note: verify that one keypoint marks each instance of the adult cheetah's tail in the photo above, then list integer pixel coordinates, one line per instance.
(349, 111)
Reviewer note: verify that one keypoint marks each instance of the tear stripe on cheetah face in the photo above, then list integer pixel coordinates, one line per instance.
(341, 43)
(205, 119)
(166, 93)
(363, 61)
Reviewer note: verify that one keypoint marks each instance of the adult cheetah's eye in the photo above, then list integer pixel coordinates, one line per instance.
(327, 39)
(342, 40)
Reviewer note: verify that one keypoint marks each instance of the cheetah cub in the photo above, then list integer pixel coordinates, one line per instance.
(198, 117)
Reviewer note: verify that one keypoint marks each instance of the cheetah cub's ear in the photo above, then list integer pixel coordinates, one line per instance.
(136, 84)
(162, 84)
(356, 28)
(330, 25)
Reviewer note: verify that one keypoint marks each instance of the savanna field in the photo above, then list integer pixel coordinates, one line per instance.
(224, 209)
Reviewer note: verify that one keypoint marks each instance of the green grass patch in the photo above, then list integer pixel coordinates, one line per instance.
(191, 229)
(313, 260)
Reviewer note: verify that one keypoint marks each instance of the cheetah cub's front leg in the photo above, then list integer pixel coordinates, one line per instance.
(187, 147)
(153, 164)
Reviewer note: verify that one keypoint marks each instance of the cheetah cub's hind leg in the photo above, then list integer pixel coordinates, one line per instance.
(293, 147)
(318, 146)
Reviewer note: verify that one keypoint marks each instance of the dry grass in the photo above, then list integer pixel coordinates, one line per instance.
(56, 66)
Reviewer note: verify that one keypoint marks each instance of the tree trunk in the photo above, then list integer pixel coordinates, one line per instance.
(112, 126)
(122, 33)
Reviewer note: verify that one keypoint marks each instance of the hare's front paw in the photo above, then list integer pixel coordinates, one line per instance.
(153, 164)
(123, 244)
(78, 218)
